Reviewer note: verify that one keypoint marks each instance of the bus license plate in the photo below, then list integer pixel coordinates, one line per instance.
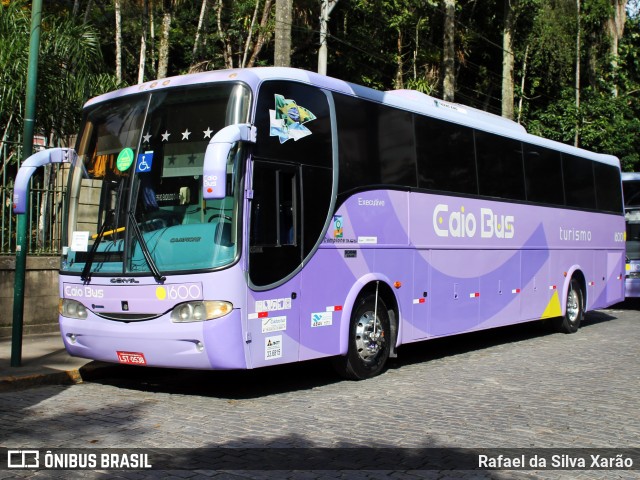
(132, 358)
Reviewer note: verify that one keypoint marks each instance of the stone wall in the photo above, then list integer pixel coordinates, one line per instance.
(40, 299)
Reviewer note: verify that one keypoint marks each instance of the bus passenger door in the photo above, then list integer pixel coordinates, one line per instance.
(275, 255)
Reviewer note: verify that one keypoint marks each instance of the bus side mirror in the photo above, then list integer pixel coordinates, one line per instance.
(214, 175)
(28, 167)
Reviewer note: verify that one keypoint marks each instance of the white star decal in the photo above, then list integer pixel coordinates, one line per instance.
(185, 134)
(165, 136)
(207, 132)
(146, 137)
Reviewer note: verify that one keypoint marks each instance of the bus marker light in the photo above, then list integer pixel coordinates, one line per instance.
(397, 284)
(474, 295)
(591, 284)
(335, 308)
(515, 290)
(419, 300)
(552, 287)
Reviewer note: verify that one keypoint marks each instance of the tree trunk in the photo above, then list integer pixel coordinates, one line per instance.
(226, 47)
(282, 47)
(522, 83)
(325, 10)
(163, 47)
(143, 42)
(508, 58)
(615, 27)
(262, 34)
(118, 15)
(196, 41)
(448, 60)
(576, 140)
(247, 42)
(398, 83)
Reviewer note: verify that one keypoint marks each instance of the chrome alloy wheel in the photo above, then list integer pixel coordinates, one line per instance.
(369, 343)
(573, 305)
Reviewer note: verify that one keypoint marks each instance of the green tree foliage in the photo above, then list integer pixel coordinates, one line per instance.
(70, 71)
(384, 44)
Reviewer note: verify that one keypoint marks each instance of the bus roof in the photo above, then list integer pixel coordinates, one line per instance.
(630, 176)
(409, 100)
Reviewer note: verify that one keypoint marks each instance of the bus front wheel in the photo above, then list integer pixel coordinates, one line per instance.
(574, 314)
(369, 340)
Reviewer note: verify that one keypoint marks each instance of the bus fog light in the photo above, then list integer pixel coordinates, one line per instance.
(199, 346)
(72, 337)
(200, 311)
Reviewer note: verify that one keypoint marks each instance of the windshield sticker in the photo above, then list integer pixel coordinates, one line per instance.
(273, 347)
(274, 324)
(337, 226)
(288, 119)
(145, 160)
(125, 159)
(79, 241)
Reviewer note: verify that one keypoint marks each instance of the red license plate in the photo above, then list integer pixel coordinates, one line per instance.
(132, 358)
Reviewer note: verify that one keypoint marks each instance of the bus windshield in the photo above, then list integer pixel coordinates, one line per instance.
(135, 201)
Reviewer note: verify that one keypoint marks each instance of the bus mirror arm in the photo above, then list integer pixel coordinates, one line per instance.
(214, 174)
(29, 166)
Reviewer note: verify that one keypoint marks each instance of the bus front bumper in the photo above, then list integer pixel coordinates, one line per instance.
(211, 345)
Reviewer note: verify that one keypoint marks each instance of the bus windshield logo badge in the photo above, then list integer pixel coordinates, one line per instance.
(288, 119)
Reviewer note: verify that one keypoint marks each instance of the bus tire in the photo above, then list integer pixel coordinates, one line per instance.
(368, 349)
(574, 313)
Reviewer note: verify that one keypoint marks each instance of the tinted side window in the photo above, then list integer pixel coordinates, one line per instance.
(578, 182)
(631, 189)
(608, 193)
(275, 236)
(376, 145)
(446, 158)
(543, 174)
(500, 170)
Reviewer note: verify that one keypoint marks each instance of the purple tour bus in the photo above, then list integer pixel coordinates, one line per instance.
(243, 218)
(631, 191)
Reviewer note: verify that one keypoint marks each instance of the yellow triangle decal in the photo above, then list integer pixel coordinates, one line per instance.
(554, 309)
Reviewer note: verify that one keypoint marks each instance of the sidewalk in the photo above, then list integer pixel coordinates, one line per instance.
(44, 362)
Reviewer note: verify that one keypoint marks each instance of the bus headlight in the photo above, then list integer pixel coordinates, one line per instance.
(72, 309)
(200, 311)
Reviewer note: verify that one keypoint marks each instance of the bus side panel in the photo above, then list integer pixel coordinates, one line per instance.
(500, 288)
(615, 277)
(326, 282)
(454, 297)
(421, 298)
(535, 294)
(397, 266)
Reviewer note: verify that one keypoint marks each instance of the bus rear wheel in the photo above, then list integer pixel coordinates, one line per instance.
(369, 340)
(574, 314)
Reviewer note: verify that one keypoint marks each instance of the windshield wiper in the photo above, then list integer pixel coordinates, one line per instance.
(86, 271)
(145, 250)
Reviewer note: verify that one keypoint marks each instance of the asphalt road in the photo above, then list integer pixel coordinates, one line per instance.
(518, 387)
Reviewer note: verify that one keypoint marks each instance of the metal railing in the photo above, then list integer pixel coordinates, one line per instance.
(46, 202)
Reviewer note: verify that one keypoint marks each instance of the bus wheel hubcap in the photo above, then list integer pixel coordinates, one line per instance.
(369, 336)
(573, 306)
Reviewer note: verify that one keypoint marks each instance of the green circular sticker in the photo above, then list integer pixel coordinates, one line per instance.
(125, 159)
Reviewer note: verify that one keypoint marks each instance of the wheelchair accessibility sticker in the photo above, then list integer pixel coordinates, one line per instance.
(145, 160)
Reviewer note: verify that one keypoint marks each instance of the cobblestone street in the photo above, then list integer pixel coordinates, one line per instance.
(516, 387)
